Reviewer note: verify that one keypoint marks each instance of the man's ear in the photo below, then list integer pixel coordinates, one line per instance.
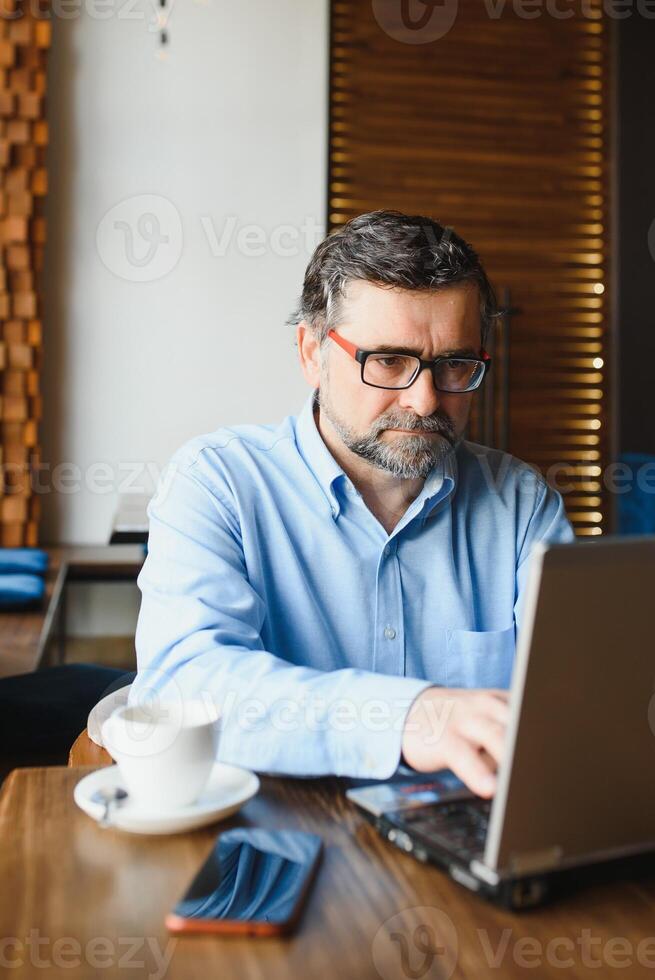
(309, 353)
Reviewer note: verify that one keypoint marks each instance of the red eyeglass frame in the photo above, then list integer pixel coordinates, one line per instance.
(361, 357)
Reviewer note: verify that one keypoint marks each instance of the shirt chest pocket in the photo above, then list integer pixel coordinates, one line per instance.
(480, 659)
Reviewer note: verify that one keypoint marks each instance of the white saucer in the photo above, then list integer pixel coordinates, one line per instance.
(227, 789)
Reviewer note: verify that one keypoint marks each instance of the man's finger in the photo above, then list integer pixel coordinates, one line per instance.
(495, 708)
(484, 733)
(488, 759)
(472, 769)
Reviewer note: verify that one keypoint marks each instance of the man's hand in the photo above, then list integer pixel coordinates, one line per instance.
(458, 729)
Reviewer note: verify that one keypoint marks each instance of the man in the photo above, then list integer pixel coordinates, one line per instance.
(346, 585)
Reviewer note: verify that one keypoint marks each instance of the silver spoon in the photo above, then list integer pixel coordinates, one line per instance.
(108, 797)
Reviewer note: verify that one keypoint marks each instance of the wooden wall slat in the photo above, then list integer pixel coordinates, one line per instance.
(24, 41)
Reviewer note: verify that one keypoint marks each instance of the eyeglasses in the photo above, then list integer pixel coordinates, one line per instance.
(391, 369)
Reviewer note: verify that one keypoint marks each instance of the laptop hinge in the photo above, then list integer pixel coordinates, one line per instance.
(542, 860)
(482, 871)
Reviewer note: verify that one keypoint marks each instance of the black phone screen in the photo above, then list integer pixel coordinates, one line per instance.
(253, 875)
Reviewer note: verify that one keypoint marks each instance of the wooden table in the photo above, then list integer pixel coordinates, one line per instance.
(104, 894)
(26, 637)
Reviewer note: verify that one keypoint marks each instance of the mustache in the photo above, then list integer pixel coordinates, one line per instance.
(441, 424)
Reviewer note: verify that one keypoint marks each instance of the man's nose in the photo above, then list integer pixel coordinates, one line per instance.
(422, 397)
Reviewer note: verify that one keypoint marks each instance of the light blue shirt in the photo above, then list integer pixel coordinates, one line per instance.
(270, 587)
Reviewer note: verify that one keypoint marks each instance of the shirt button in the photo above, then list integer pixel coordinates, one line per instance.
(389, 633)
(387, 551)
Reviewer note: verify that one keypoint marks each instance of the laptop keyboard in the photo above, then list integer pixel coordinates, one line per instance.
(459, 827)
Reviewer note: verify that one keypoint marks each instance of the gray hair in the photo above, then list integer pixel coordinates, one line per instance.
(388, 248)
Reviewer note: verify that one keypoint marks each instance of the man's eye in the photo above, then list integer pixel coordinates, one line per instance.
(390, 362)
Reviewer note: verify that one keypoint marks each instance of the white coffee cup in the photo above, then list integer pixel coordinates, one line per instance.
(165, 751)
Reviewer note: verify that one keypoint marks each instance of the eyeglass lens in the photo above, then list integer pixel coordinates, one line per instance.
(397, 370)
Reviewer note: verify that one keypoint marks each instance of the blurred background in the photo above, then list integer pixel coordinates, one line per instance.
(169, 166)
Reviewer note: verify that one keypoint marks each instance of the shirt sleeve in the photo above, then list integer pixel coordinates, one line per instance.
(198, 636)
(548, 523)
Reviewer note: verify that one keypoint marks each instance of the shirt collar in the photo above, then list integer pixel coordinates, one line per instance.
(316, 454)
(439, 483)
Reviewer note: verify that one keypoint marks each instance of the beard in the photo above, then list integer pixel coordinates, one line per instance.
(408, 457)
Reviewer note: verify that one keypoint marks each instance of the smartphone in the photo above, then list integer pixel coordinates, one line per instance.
(254, 881)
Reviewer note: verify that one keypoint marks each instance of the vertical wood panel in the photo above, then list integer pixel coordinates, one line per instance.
(499, 129)
(24, 41)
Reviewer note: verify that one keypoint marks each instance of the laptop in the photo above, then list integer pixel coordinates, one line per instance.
(575, 797)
